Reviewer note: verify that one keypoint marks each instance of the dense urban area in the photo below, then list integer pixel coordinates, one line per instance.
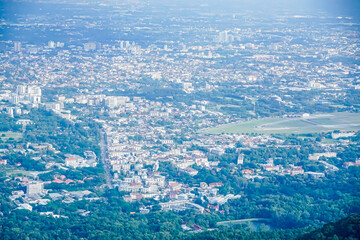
(169, 120)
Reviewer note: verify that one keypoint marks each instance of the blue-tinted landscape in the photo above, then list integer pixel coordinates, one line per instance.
(179, 119)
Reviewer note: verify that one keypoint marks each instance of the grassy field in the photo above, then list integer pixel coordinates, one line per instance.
(252, 223)
(11, 171)
(314, 123)
(231, 222)
(6, 135)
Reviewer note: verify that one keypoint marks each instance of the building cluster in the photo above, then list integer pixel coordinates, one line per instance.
(144, 94)
(75, 161)
(36, 195)
(197, 66)
(145, 137)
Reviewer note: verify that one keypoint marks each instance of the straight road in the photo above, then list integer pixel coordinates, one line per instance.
(104, 156)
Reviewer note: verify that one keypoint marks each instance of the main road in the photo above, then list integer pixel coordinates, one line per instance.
(104, 157)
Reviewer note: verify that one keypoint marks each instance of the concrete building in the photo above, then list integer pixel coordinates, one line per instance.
(17, 46)
(90, 46)
(34, 188)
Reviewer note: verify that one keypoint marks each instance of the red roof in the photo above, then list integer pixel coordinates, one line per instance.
(248, 171)
(135, 184)
(25, 180)
(69, 181)
(173, 184)
(213, 206)
(58, 181)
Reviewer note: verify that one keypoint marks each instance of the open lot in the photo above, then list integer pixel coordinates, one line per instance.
(6, 135)
(312, 124)
(12, 171)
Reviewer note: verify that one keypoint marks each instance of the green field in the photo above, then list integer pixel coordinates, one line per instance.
(253, 223)
(233, 222)
(315, 123)
(12, 171)
(6, 135)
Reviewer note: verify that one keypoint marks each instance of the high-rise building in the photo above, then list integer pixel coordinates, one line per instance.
(34, 94)
(240, 159)
(21, 90)
(17, 46)
(34, 90)
(51, 44)
(60, 44)
(127, 44)
(156, 166)
(33, 50)
(231, 38)
(89, 46)
(111, 102)
(35, 99)
(223, 37)
(10, 111)
(15, 99)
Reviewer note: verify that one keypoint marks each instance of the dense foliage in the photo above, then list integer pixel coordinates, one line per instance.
(120, 222)
(65, 136)
(347, 228)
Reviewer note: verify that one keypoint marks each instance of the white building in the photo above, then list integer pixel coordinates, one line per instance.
(34, 188)
(316, 156)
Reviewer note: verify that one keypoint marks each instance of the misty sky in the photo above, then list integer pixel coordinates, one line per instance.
(157, 11)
